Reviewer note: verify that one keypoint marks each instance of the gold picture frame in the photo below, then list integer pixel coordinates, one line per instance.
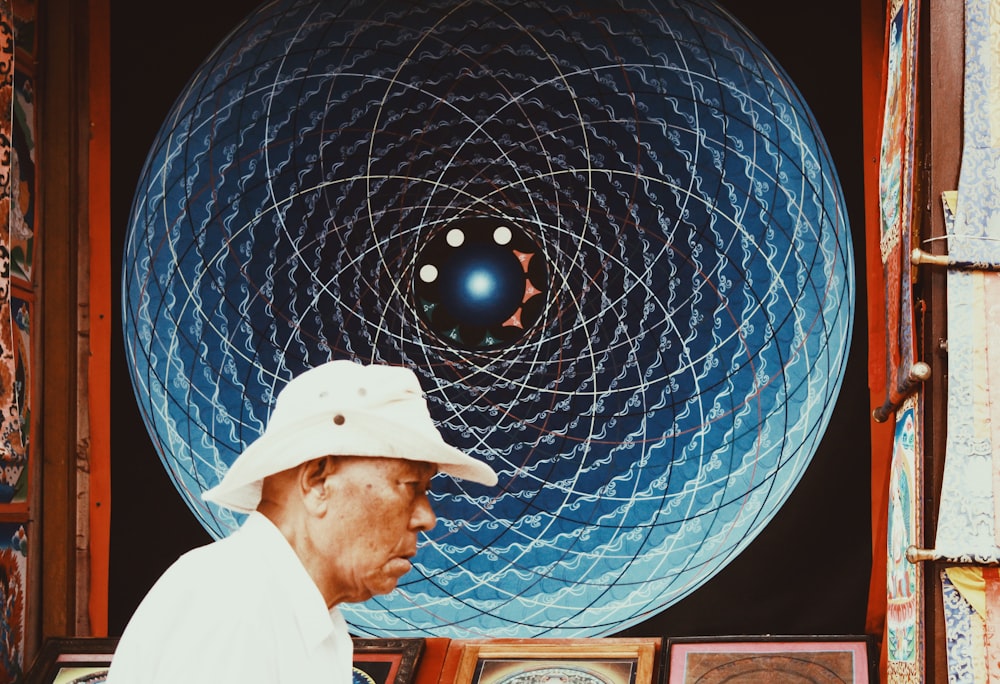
(557, 661)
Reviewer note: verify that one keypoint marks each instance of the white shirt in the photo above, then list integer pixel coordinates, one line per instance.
(241, 610)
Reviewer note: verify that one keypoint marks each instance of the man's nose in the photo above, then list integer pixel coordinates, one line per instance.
(424, 518)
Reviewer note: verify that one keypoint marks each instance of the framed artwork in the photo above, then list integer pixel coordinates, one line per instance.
(73, 660)
(708, 660)
(593, 295)
(558, 661)
(386, 661)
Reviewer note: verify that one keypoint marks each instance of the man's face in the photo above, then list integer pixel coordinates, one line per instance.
(369, 533)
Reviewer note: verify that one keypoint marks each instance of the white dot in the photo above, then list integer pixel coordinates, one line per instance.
(455, 237)
(502, 235)
(428, 273)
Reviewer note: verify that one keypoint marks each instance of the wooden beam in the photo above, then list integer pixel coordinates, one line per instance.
(99, 367)
(872, 53)
(62, 136)
(942, 63)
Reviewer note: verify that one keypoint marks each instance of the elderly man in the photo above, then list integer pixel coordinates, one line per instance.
(336, 488)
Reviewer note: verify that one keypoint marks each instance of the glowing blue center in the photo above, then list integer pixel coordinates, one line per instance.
(481, 284)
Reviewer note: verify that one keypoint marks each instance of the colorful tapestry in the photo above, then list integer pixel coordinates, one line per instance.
(19, 245)
(972, 620)
(14, 386)
(977, 234)
(964, 626)
(12, 456)
(14, 475)
(967, 524)
(970, 494)
(896, 193)
(904, 630)
(22, 177)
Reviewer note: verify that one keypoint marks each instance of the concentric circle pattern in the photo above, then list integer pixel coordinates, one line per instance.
(642, 324)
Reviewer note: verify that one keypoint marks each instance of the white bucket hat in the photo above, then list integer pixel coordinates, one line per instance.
(344, 408)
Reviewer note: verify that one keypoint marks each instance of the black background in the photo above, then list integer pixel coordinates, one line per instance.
(808, 570)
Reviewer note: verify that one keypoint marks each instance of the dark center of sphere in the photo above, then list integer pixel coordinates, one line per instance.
(481, 285)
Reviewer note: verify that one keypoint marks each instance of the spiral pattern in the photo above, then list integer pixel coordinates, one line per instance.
(643, 325)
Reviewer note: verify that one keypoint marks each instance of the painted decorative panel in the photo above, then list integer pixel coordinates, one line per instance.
(23, 172)
(14, 475)
(16, 306)
(896, 188)
(13, 599)
(11, 454)
(904, 586)
(23, 195)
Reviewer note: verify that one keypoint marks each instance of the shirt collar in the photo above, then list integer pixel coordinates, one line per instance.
(297, 587)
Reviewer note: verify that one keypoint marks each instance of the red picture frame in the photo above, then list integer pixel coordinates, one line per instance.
(72, 660)
(386, 661)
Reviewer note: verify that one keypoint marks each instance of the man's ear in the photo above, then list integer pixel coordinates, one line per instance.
(312, 477)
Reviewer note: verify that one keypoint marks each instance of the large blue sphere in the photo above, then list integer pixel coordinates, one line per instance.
(672, 360)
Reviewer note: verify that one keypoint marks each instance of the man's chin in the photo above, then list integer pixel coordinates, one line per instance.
(387, 583)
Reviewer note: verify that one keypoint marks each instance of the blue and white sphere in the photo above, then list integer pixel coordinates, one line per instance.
(607, 235)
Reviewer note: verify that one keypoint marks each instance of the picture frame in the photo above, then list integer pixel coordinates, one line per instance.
(72, 660)
(702, 660)
(386, 661)
(558, 661)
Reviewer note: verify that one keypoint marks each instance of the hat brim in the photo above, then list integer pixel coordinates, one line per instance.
(360, 434)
